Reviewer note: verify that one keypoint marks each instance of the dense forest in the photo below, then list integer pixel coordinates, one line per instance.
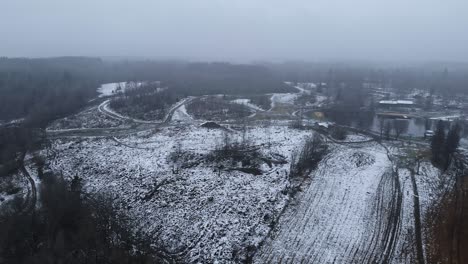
(71, 228)
(41, 90)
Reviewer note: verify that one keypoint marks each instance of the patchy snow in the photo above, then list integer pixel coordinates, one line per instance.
(214, 214)
(181, 115)
(89, 118)
(357, 138)
(109, 89)
(13, 186)
(447, 118)
(324, 124)
(11, 122)
(302, 90)
(320, 100)
(396, 102)
(307, 85)
(283, 98)
(247, 103)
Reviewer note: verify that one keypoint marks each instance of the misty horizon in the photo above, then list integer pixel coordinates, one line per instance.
(238, 31)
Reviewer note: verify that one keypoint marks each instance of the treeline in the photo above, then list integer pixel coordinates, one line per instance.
(71, 227)
(224, 78)
(15, 141)
(444, 145)
(437, 78)
(40, 90)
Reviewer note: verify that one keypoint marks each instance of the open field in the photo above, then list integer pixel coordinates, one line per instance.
(198, 211)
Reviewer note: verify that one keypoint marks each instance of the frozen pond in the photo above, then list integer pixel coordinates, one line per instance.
(413, 127)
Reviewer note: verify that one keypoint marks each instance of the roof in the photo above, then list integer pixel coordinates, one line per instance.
(397, 102)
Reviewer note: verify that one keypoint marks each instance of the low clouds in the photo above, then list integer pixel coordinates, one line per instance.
(239, 30)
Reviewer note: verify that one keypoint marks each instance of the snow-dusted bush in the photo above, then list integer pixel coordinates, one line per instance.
(339, 133)
(233, 154)
(307, 159)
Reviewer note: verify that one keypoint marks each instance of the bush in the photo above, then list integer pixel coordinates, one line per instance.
(296, 124)
(339, 133)
(232, 153)
(308, 158)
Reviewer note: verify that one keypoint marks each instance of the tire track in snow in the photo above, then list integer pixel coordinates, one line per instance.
(331, 221)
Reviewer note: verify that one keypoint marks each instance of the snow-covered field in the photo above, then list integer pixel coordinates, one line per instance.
(200, 212)
(334, 220)
(357, 207)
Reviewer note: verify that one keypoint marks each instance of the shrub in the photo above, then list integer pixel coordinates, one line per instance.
(309, 157)
(339, 133)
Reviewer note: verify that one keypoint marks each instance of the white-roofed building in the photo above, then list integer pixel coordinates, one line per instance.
(396, 103)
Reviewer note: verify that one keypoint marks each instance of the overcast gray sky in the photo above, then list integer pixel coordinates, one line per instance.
(238, 30)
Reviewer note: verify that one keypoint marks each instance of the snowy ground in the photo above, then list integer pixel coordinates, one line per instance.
(181, 115)
(357, 138)
(320, 100)
(247, 103)
(358, 207)
(205, 214)
(333, 220)
(109, 89)
(88, 118)
(12, 187)
(283, 98)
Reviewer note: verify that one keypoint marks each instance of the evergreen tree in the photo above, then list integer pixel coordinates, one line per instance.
(453, 138)
(438, 143)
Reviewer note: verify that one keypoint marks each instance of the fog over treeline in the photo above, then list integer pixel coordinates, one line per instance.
(240, 31)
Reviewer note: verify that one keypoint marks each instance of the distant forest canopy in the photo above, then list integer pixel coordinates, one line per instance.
(41, 90)
(441, 78)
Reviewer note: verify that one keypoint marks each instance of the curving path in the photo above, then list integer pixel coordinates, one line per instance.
(31, 199)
